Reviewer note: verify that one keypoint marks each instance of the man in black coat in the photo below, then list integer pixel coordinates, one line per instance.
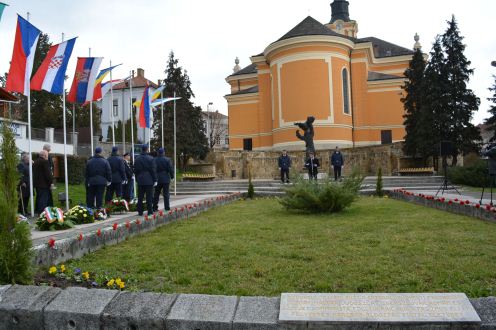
(23, 187)
(118, 175)
(312, 164)
(146, 176)
(284, 166)
(126, 187)
(98, 175)
(165, 174)
(42, 181)
(337, 163)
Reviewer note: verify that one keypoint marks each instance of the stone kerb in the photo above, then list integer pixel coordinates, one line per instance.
(455, 205)
(28, 307)
(57, 251)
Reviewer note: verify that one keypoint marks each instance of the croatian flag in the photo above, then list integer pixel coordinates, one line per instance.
(144, 113)
(51, 74)
(21, 66)
(83, 84)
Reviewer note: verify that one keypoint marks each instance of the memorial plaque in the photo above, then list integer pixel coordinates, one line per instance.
(386, 308)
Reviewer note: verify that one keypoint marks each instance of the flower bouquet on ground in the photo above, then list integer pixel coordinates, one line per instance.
(118, 205)
(80, 215)
(133, 205)
(21, 218)
(101, 214)
(52, 218)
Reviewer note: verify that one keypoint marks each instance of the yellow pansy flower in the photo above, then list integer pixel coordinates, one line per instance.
(52, 270)
(111, 283)
(86, 275)
(121, 285)
(62, 268)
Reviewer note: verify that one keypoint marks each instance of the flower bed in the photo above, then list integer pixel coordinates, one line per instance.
(454, 205)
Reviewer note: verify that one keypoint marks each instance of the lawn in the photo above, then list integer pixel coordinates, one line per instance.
(258, 248)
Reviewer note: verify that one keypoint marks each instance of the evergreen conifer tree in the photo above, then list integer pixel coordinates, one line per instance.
(191, 139)
(491, 121)
(15, 238)
(461, 101)
(415, 143)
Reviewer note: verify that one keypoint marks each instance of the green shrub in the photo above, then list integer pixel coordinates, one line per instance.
(476, 175)
(378, 185)
(327, 197)
(251, 189)
(15, 238)
(76, 166)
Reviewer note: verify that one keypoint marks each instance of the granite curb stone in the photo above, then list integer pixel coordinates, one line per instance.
(22, 306)
(130, 310)
(202, 312)
(3, 288)
(78, 308)
(257, 313)
(486, 308)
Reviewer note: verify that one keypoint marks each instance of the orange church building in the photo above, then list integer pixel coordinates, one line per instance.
(351, 85)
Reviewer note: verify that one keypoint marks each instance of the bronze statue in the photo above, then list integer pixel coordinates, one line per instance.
(308, 134)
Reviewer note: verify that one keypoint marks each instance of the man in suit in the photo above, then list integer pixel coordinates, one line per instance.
(42, 181)
(312, 164)
(98, 175)
(118, 175)
(126, 187)
(146, 176)
(23, 168)
(284, 165)
(165, 173)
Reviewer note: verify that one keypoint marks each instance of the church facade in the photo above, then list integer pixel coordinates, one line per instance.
(351, 85)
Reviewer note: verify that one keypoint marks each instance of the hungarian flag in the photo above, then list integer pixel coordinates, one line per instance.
(51, 74)
(83, 84)
(144, 113)
(2, 7)
(21, 65)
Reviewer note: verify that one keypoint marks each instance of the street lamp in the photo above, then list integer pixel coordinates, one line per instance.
(208, 122)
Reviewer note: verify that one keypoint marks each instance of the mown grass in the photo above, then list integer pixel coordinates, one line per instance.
(258, 248)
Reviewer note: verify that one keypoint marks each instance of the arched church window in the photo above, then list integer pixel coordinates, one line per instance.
(346, 94)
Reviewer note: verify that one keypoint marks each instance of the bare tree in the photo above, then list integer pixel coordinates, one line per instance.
(217, 124)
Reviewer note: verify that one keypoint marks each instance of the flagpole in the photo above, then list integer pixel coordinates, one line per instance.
(91, 119)
(132, 121)
(65, 145)
(112, 106)
(31, 194)
(175, 152)
(162, 119)
(74, 127)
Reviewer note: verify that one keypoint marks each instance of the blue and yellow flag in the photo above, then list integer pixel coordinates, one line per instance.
(2, 7)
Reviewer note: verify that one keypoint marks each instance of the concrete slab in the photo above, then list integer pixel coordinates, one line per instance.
(194, 311)
(259, 313)
(77, 308)
(131, 310)
(22, 307)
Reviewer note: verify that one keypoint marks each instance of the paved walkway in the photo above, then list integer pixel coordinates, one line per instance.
(42, 237)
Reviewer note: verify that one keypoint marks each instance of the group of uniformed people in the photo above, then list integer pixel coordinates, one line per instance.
(152, 174)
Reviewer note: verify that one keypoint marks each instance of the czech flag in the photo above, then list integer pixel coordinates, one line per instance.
(21, 66)
(98, 83)
(144, 114)
(83, 84)
(51, 74)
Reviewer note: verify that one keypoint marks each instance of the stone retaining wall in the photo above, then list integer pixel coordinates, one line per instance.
(57, 251)
(35, 307)
(263, 164)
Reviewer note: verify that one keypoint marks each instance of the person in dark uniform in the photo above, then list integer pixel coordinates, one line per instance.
(42, 181)
(337, 163)
(126, 187)
(118, 175)
(23, 186)
(284, 166)
(312, 164)
(165, 173)
(146, 177)
(48, 149)
(98, 175)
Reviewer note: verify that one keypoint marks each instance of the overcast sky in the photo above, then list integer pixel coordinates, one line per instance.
(206, 36)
